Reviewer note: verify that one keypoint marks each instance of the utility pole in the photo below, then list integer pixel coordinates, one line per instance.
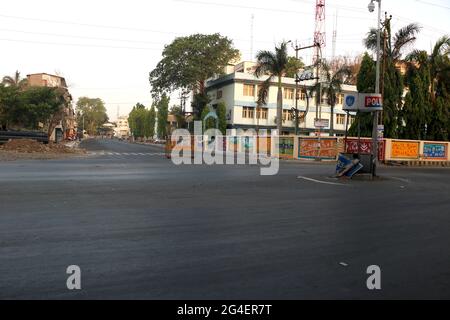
(297, 81)
(377, 89)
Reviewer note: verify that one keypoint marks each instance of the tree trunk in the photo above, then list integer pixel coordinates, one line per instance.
(279, 108)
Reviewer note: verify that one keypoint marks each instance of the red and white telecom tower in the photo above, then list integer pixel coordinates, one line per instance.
(319, 32)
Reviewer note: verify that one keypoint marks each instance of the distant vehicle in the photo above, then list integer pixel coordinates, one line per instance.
(160, 141)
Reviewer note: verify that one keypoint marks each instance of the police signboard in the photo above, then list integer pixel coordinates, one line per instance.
(371, 102)
(351, 102)
(364, 102)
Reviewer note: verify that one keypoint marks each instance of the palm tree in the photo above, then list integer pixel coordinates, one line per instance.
(273, 64)
(435, 61)
(391, 80)
(404, 37)
(15, 81)
(332, 86)
(437, 67)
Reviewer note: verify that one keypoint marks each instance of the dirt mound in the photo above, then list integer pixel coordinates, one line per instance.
(33, 146)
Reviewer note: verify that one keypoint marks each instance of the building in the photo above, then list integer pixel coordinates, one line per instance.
(238, 88)
(122, 129)
(66, 127)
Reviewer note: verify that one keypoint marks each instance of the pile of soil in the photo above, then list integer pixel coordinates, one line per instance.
(33, 146)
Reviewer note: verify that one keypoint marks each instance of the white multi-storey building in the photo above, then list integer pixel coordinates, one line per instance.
(238, 88)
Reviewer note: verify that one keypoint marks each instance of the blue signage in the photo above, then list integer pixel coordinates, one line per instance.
(434, 150)
(350, 101)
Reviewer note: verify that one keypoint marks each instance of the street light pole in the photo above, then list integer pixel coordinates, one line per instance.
(377, 89)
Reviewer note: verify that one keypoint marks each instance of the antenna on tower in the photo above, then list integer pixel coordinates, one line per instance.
(251, 36)
(118, 112)
(319, 32)
(335, 34)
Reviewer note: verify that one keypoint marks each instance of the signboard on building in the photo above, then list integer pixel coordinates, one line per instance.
(350, 102)
(364, 146)
(312, 148)
(435, 151)
(321, 123)
(286, 147)
(363, 102)
(405, 149)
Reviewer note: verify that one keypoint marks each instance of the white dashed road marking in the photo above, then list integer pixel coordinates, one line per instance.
(102, 153)
(322, 182)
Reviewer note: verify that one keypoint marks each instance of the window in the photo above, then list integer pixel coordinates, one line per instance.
(351, 120)
(288, 93)
(340, 118)
(261, 113)
(219, 94)
(302, 95)
(249, 90)
(340, 99)
(288, 115)
(248, 112)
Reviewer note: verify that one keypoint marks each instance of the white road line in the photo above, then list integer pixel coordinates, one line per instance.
(127, 154)
(322, 182)
(401, 179)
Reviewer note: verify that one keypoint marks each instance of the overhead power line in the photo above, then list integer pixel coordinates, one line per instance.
(78, 44)
(433, 4)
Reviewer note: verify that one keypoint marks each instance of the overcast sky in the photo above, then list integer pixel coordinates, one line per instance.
(106, 48)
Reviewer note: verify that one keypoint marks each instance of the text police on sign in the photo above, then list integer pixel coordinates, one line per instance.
(364, 102)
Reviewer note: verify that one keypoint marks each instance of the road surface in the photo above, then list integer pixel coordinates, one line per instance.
(140, 227)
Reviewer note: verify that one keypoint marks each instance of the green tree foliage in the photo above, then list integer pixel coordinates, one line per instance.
(136, 120)
(222, 115)
(392, 80)
(26, 107)
(199, 102)
(163, 112)
(210, 123)
(273, 64)
(332, 86)
(417, 108)
(188, 61)
(142, 121)
(150, 121)
(365, 83)
(293, 66)
(177, 111)
(15, 81)
(430, 73)
(91, 112)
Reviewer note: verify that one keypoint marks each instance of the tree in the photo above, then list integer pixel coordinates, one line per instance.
(391, 80)
(332, 87)
(427, 80)
(209, 123)
(188, 61)
(163, 112)
(199, 102)
(293, 66)
(274, 65)
(415, 113)
(151, 121)
(177, 111)
(15, 81)
(136, 120)
(27, 108)
(354, 64)
(222, 115)
(91, 113)
(365, 83)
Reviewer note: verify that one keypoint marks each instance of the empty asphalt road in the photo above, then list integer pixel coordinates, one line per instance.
(140, 227)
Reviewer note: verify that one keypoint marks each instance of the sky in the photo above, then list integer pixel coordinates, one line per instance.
(106, 49)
